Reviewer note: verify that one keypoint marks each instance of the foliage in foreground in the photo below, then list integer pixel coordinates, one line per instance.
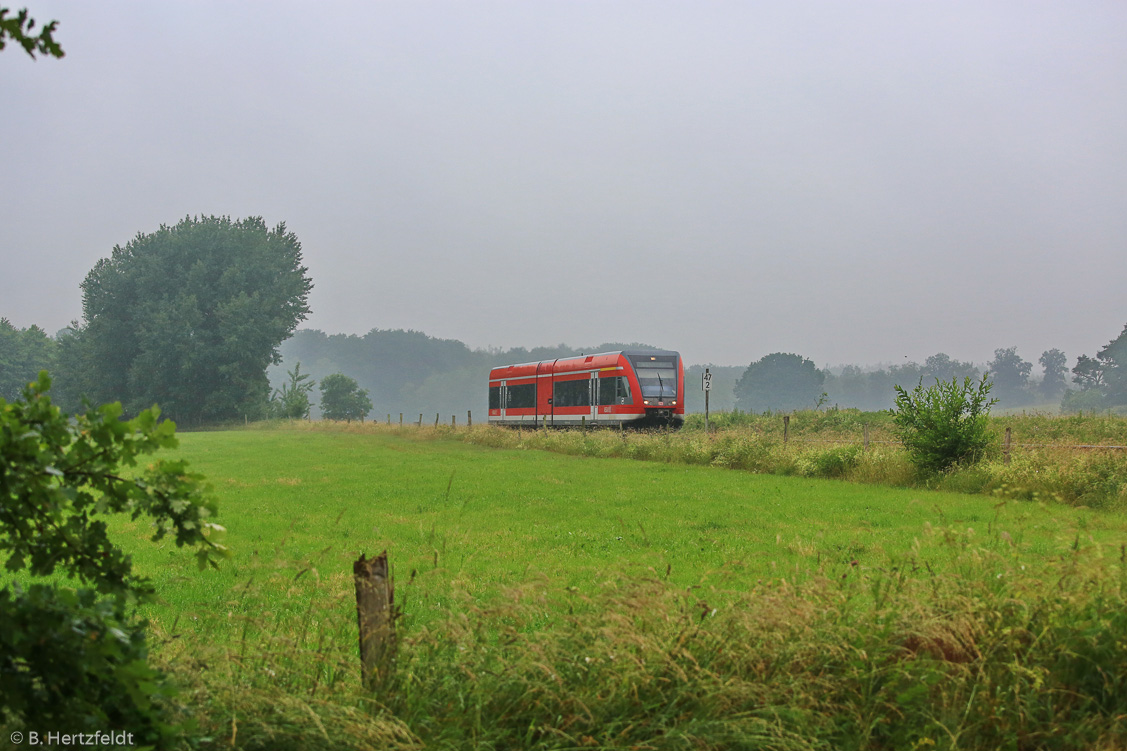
(77, 658)
(992, 654)
(21, 27)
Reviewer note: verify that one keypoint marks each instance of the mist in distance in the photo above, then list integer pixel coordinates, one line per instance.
(864, 183)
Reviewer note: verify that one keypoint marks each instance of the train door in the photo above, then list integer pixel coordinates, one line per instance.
(504, 398)
(593, 398)
(545, 409)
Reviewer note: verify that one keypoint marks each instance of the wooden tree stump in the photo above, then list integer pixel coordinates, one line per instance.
(375, 612)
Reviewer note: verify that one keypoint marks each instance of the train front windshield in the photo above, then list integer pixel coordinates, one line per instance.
(657, 375)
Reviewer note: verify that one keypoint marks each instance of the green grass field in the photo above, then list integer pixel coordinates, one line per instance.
(304, 500)
(556, 601)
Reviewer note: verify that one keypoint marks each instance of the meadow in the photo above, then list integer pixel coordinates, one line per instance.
(1079, 460)
(554, 600)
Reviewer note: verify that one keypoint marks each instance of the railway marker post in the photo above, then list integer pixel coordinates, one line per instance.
(1006, 448)
(706, 384)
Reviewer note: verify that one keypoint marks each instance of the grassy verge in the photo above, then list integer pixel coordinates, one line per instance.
(830, 444)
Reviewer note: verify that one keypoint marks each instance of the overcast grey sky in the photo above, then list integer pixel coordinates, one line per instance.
(857, 182)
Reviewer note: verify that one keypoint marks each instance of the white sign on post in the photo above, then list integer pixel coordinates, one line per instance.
(706, 384)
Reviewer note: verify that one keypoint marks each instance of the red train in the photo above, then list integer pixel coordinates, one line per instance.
(639, 388)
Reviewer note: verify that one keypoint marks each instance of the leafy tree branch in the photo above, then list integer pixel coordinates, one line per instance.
(19, 28)
(77, 657)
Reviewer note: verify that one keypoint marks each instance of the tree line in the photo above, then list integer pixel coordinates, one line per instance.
(411, 372)
(201, 318)
(786, 381)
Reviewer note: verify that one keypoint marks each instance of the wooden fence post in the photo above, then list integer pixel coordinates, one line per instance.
(436, 419)
(866, 437)
(1006, 448)
(469, 418)
(401, 419)
(420, 419)
(375, 615)
(453, 420)
(583, 423)
(786, 429)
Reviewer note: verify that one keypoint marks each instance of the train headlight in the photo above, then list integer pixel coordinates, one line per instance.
(674, 402)
(645, 401)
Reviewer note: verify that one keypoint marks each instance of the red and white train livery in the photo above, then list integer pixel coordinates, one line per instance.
(643, 388)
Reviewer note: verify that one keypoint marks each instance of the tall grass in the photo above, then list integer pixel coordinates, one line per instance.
(985, 629)
(992, 654)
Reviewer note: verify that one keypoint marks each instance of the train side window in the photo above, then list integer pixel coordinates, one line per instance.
(614, 390)
(624, 391)
(572, 393)
(495, 397)
(522, 396)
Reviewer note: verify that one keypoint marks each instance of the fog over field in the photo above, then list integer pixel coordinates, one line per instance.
(864, 182)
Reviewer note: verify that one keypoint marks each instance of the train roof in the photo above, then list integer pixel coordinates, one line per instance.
(627, 352)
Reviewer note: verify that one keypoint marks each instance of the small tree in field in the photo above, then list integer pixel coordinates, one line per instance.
(343, 399)
(291, 402)
(75, 657)
(944, 425)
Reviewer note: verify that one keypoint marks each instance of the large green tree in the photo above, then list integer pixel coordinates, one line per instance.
(190, 316)
(780, 381)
